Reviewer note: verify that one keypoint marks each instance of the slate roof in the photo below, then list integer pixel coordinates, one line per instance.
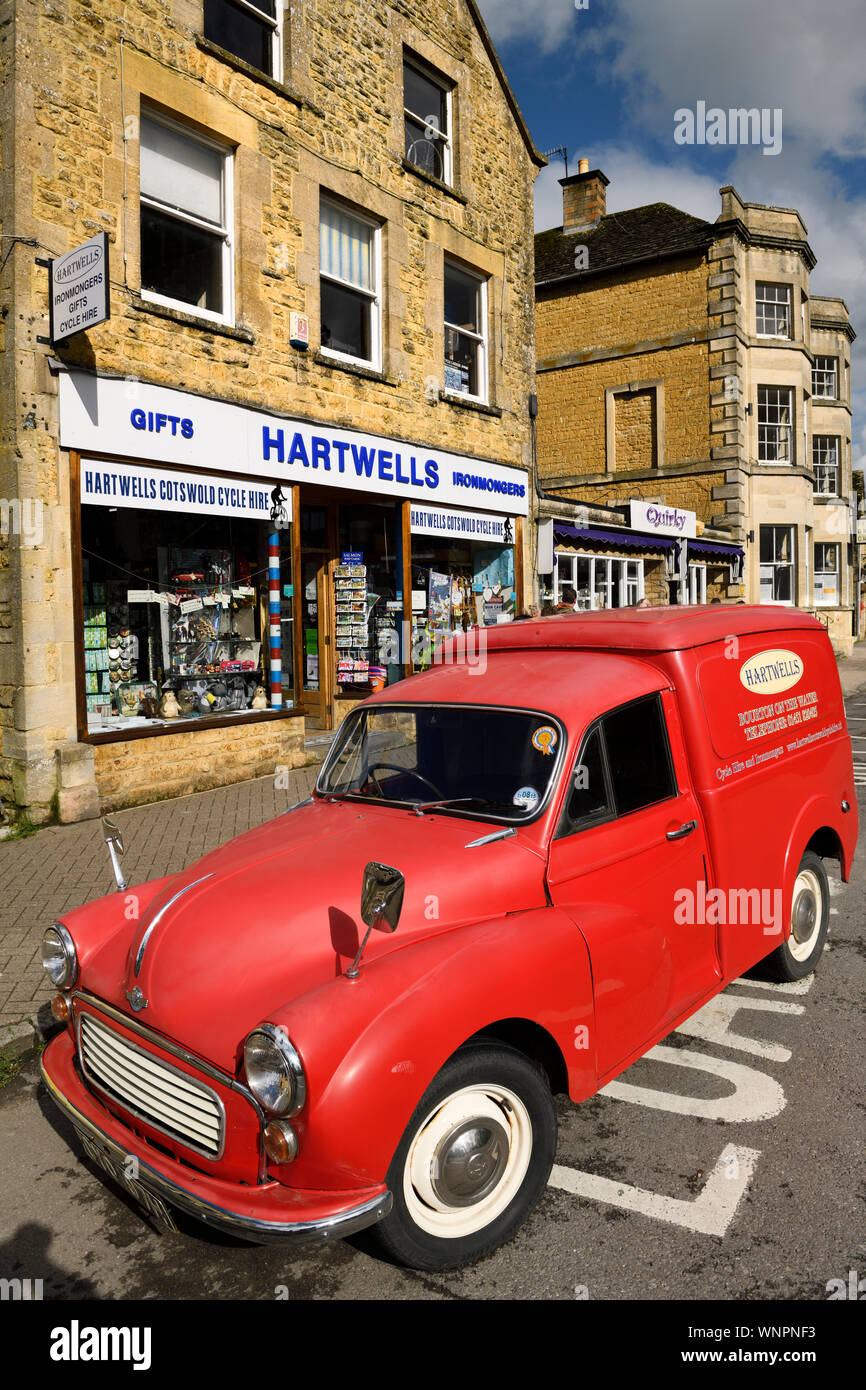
(620, 239)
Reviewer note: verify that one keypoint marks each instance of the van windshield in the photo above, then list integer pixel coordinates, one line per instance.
(471, 760)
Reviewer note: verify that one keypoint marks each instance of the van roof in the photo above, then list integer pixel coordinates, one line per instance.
(668, 629)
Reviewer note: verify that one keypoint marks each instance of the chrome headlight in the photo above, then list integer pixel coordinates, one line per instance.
(59, 959)
(274, 1071)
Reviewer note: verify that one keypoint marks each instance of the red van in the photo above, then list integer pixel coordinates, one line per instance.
(562, 848)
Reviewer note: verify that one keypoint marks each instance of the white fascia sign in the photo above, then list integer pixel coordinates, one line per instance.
(656, 519)
(141, 487)
(135, 420)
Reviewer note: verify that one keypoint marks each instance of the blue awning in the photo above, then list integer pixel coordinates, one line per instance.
(632, 540)
(717, 549)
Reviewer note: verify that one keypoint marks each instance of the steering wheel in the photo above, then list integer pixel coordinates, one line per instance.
(406, 771)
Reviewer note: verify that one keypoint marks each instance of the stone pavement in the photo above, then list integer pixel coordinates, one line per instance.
(62, 866)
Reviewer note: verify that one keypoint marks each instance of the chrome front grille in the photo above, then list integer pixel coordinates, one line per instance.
(154, 1091)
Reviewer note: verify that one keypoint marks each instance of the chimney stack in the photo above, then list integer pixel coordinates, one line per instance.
(584, 201)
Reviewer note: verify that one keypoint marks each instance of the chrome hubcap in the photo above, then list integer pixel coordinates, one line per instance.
(469, 1162)
(805, 916)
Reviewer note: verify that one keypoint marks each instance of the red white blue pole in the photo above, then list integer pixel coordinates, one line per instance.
(274, 620)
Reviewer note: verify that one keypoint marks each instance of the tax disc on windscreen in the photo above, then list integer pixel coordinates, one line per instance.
(526, 798)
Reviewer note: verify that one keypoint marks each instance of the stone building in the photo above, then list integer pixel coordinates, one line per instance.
(298, 448)
(685, 367)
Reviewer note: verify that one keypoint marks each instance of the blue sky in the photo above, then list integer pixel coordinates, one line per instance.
(605, 81)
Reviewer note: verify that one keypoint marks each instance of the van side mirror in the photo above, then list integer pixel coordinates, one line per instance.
(382, 896)
(381, 901)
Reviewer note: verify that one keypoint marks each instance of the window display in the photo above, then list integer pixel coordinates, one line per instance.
(456, 587)
(176, 617)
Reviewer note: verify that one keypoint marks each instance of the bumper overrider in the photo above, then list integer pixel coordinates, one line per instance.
(269, 1213)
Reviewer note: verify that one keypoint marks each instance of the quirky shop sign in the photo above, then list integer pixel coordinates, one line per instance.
(135, 420)
(149, 489)
(660, 520)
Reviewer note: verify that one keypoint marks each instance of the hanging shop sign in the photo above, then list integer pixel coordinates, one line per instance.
(139, 421)
(471, 526)
(660, 520)
(144, 488)
(79, 297)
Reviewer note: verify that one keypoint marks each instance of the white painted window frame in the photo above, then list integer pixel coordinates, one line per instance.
(226, 231)
(775, 285)
(781, 564)
(276, 24)
(446, 139)
(483, 397)
(373, 296)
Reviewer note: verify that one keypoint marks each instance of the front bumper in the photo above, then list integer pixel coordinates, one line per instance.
(267, 1214)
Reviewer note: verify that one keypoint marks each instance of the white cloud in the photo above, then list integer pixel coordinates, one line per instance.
(804, 57)
(548, 25)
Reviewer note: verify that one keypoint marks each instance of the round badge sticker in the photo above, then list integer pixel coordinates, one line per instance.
(545, 739)
(526, 798)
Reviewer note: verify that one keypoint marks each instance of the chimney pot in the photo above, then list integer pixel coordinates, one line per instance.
(583, 166)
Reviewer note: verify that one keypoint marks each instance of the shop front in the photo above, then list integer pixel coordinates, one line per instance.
(658, 559)
(234, 567)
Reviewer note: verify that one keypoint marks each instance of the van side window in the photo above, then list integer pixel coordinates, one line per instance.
(625, 764)
(638, 756)
(589, 798)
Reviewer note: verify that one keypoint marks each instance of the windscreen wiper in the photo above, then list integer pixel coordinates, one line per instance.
(423, 806)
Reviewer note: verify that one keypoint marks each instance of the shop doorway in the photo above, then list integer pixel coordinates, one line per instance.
(318, 524)
(351, 601)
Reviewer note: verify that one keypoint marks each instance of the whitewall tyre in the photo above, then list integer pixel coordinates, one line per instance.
(473, 1161)
(810, 915)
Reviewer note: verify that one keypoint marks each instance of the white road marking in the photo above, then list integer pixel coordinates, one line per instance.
(780, 986)
(710, 1213)
(755, 1096)
(713, 1024)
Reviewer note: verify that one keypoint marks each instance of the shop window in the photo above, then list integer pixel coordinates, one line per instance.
(250, 29)
(697, 583)
(186, 219)
(777, 564)
(599, 581)
(773, 311)
(825, 464)
(427, 119)
(826, 573)
(775, 424)
(825, 377)
(176, 617)
(459, 585)
(465, 333)
(349, 264)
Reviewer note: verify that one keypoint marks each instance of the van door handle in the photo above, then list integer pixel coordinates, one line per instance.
(684, 830)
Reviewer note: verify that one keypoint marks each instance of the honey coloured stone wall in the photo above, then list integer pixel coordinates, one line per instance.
(77, 78)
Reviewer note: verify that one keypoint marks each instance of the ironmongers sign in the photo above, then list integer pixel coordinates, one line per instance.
(79, 288)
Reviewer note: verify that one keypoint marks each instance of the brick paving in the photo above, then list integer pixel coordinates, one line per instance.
(62, 866)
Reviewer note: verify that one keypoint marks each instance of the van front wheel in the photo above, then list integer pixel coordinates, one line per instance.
(810, 915)
(473, 1161)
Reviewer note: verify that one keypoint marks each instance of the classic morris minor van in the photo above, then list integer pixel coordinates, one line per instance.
(513, 878)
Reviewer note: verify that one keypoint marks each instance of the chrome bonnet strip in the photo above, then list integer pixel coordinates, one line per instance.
(139, 956)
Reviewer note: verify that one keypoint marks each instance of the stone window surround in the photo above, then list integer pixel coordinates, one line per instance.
(657, 385)
(776, 284)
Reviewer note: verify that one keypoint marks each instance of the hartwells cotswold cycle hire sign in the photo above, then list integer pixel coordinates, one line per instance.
(79, 297)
